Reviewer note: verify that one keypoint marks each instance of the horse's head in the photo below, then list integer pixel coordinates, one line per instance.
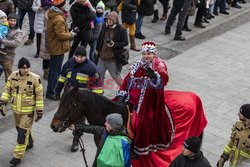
(68, 111)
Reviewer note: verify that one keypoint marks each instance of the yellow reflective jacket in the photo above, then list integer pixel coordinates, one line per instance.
(24, 92)
(238, 148)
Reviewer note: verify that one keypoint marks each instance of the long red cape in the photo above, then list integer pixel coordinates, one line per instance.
(189, 119)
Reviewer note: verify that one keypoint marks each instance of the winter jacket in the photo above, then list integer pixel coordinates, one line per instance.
(82, 75)
(7, 6)
(197, 161)
(24, 4)
(146, 7)
(44, 54)
(129, 11)
(39, 18)
(12, 41)
(120, 40)
(81, 16)
(101, 132)
(3, 30)
(58, 33)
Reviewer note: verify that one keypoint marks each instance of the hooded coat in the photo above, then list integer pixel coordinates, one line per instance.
(58, 33)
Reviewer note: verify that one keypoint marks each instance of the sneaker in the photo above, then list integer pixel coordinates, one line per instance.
(179, 38)
(199, 25)
(28, 42)
(236, 6)
(224, 12)
(15, 161)
(212, 16)
(140, 36)
(52, 97)
(186, 29)
(216, 13)
(167, 31)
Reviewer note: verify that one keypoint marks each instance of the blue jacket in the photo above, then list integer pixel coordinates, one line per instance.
(3, 31)
(82, 75)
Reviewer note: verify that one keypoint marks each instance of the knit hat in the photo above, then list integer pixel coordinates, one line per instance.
(148, 47)
(23, 61)
(58, 3)
(46, 4)
(2, 14)
(245, 110)
(114, 120)
(193, 144)
(80, 51)
(113, 16)
(100, 7)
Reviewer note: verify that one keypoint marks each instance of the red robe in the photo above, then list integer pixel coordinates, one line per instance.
(152, 123)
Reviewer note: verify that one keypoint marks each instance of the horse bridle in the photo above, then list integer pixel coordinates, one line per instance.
(66, 121)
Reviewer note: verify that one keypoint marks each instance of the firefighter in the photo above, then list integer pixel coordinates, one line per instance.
(83, 73)
(24, 90)
(237, 151)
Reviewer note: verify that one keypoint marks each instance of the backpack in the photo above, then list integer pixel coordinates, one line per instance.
(115, 152)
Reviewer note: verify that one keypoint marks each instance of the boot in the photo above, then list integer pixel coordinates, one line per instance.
(164, 16)
(45, 74)
(132, 43)
(15, 161)
(75, 146)
(156, 17)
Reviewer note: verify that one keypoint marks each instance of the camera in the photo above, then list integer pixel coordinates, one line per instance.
(108, 41)
(76, 30)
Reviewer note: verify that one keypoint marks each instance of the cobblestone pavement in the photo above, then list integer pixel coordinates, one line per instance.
(213, 62)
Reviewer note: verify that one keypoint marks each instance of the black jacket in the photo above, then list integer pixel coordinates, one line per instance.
(197, 161)
(24, 4)
(120, 40)
(146, 7)
(100, 132)
(129, 11)
(81, 16)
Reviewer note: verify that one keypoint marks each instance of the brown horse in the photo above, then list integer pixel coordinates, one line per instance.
(185, 107)
(76, 103)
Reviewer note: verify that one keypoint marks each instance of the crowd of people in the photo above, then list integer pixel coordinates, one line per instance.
(92, 25)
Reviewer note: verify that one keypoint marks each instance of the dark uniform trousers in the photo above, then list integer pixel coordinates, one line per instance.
(182, 10)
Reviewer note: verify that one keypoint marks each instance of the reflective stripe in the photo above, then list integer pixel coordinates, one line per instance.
(5, 96)
(62, 79)
(23, 109)
(228, 149)
(82, 75)
(19, 102)
(39, 103)
(39, 88)
(243, 153)
(82, 79)
(8, 84)
(68, 75)
(20, 147)
(99, 91)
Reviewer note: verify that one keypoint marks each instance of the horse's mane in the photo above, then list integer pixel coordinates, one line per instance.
(94, 104)
(93, 98)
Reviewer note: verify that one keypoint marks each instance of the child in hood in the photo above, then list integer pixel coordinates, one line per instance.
(3, 30)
